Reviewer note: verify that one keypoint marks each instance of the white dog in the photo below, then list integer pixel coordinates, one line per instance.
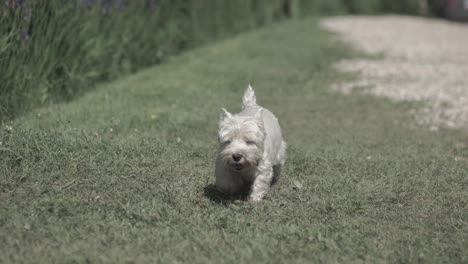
(251, 149)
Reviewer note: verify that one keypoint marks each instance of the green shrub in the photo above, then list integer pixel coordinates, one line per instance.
(54, 50)
(362, 6)
(333, 7)
(401, 7)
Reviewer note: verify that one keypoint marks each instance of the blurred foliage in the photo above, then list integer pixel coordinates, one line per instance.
(54, 50)
(331, 7)
(57, 49)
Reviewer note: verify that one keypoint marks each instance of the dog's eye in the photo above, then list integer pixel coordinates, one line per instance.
(227, 142)
(250, 142)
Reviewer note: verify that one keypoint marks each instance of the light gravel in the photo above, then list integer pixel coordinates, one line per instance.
(423, 60)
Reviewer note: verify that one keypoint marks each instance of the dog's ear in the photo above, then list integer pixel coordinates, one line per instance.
(224, 114)
(249, 98)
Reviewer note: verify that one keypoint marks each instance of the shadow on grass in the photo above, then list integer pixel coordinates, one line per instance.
(210, 192)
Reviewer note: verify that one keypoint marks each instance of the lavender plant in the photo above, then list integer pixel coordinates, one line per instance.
(57, 49)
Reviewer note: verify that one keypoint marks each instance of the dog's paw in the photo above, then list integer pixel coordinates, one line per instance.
(254, 198)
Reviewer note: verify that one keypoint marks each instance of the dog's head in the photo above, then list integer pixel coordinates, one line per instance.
(241, 140)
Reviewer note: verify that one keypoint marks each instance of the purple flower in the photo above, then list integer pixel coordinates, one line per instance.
(90, 3)
(151, 5)
(27, 15)
(25, 36)
(107, 6)
(105, 10)
(121, 4)
(14, 4)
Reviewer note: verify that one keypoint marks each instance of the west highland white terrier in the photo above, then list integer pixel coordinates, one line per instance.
(252, 151)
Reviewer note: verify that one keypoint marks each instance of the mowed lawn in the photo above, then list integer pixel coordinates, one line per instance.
(124, 174)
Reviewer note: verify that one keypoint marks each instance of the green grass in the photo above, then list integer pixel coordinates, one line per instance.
(124, 173)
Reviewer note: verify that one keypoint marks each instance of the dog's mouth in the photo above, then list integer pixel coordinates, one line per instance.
(237, 166)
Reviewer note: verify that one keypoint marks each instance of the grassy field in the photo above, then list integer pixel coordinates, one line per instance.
(123, 174)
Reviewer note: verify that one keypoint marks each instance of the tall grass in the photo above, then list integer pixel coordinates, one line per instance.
(53, 50)
(56, 49)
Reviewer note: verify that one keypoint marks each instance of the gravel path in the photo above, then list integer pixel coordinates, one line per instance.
(424, 60)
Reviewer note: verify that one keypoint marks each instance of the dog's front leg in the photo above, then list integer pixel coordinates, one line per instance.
(261, 184)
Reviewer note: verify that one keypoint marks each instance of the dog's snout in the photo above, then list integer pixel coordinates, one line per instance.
(236, 157)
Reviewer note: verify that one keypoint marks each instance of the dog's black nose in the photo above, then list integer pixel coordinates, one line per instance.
(236, 157)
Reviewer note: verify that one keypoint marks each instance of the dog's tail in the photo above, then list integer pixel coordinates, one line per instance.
(249, 98)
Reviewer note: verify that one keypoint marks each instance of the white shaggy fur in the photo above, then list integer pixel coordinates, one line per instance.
(251, 149)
